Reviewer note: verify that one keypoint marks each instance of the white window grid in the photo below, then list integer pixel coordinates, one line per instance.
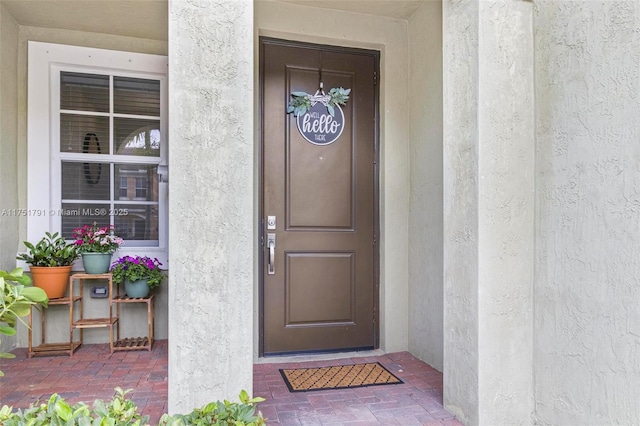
(46, 61)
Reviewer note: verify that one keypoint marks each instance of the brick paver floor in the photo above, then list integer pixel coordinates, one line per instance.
(93, 373)
(418, 401)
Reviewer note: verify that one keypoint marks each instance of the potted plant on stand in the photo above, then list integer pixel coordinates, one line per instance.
(50, 263)
(96, 245)
(139, 274)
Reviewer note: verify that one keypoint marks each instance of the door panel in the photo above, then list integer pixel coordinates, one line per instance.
(322, 293)
(320, 289)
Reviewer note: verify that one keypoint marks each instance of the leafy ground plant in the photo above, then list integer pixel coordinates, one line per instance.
(123, 412)
(57, 412)
(220, 414)
(16, 298)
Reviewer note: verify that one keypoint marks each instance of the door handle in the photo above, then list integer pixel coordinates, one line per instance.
(271, 243)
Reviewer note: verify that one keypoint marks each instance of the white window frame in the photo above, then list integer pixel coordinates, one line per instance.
(46, 60)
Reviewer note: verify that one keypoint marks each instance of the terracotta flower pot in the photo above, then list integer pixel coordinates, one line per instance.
(52, 279)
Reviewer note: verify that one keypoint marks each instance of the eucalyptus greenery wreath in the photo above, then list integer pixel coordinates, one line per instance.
(301, 102)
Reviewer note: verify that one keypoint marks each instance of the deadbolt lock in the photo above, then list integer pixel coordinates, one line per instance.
(271, 222)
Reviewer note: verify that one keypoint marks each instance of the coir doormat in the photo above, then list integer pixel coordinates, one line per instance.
(338, 377)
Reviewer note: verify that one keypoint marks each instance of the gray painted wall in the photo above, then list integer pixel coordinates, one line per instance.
(425, 208)
(587, 320)
(211, 228)
(8, 147)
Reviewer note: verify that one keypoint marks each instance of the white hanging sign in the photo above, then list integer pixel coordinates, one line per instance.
(319, 118)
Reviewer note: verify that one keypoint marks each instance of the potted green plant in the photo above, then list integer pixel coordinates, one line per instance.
(96, 245)
(140, 274)
(50, 263)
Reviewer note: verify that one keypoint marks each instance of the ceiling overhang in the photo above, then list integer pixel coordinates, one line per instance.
(148, 19)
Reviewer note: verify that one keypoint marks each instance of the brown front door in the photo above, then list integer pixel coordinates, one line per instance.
(319, 287)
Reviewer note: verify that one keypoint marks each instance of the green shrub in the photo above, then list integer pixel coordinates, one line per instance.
(123, 412)
(16, 298)
(57, 412)
(220, 414)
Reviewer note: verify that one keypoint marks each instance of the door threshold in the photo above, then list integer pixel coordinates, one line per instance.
(274, 359)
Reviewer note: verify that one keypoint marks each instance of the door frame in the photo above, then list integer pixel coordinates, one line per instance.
(376, 196)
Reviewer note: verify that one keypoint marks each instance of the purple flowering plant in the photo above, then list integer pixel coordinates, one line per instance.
(96, 239)
(135, 268)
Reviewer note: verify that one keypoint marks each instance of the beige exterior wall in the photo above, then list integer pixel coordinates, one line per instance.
(9, 177)
(8, 147)
(388, 35)
(425, 209)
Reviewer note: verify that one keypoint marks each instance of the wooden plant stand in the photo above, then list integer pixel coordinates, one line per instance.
(135, 343)
(74, 304)
(45, 349)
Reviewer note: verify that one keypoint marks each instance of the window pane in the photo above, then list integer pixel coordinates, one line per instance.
(84, 92)
(124, 188)
(84, 134)
(136, 96)
(85, 181)
(75, 215)
(138, 182)
(137, 137)
(137, 222)
(141, 187)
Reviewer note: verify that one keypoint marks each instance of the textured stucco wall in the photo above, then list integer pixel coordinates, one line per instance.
(340, 28)
(587, 320)
(8, 146)
(211, 156)
(489, 210)
(460, 189)
(505, 212)
(57, 328)
(425, 209)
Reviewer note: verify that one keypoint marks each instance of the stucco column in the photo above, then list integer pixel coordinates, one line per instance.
(210, 201)
(488, 210)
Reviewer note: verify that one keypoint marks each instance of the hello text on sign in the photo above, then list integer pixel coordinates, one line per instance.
(319, 127)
